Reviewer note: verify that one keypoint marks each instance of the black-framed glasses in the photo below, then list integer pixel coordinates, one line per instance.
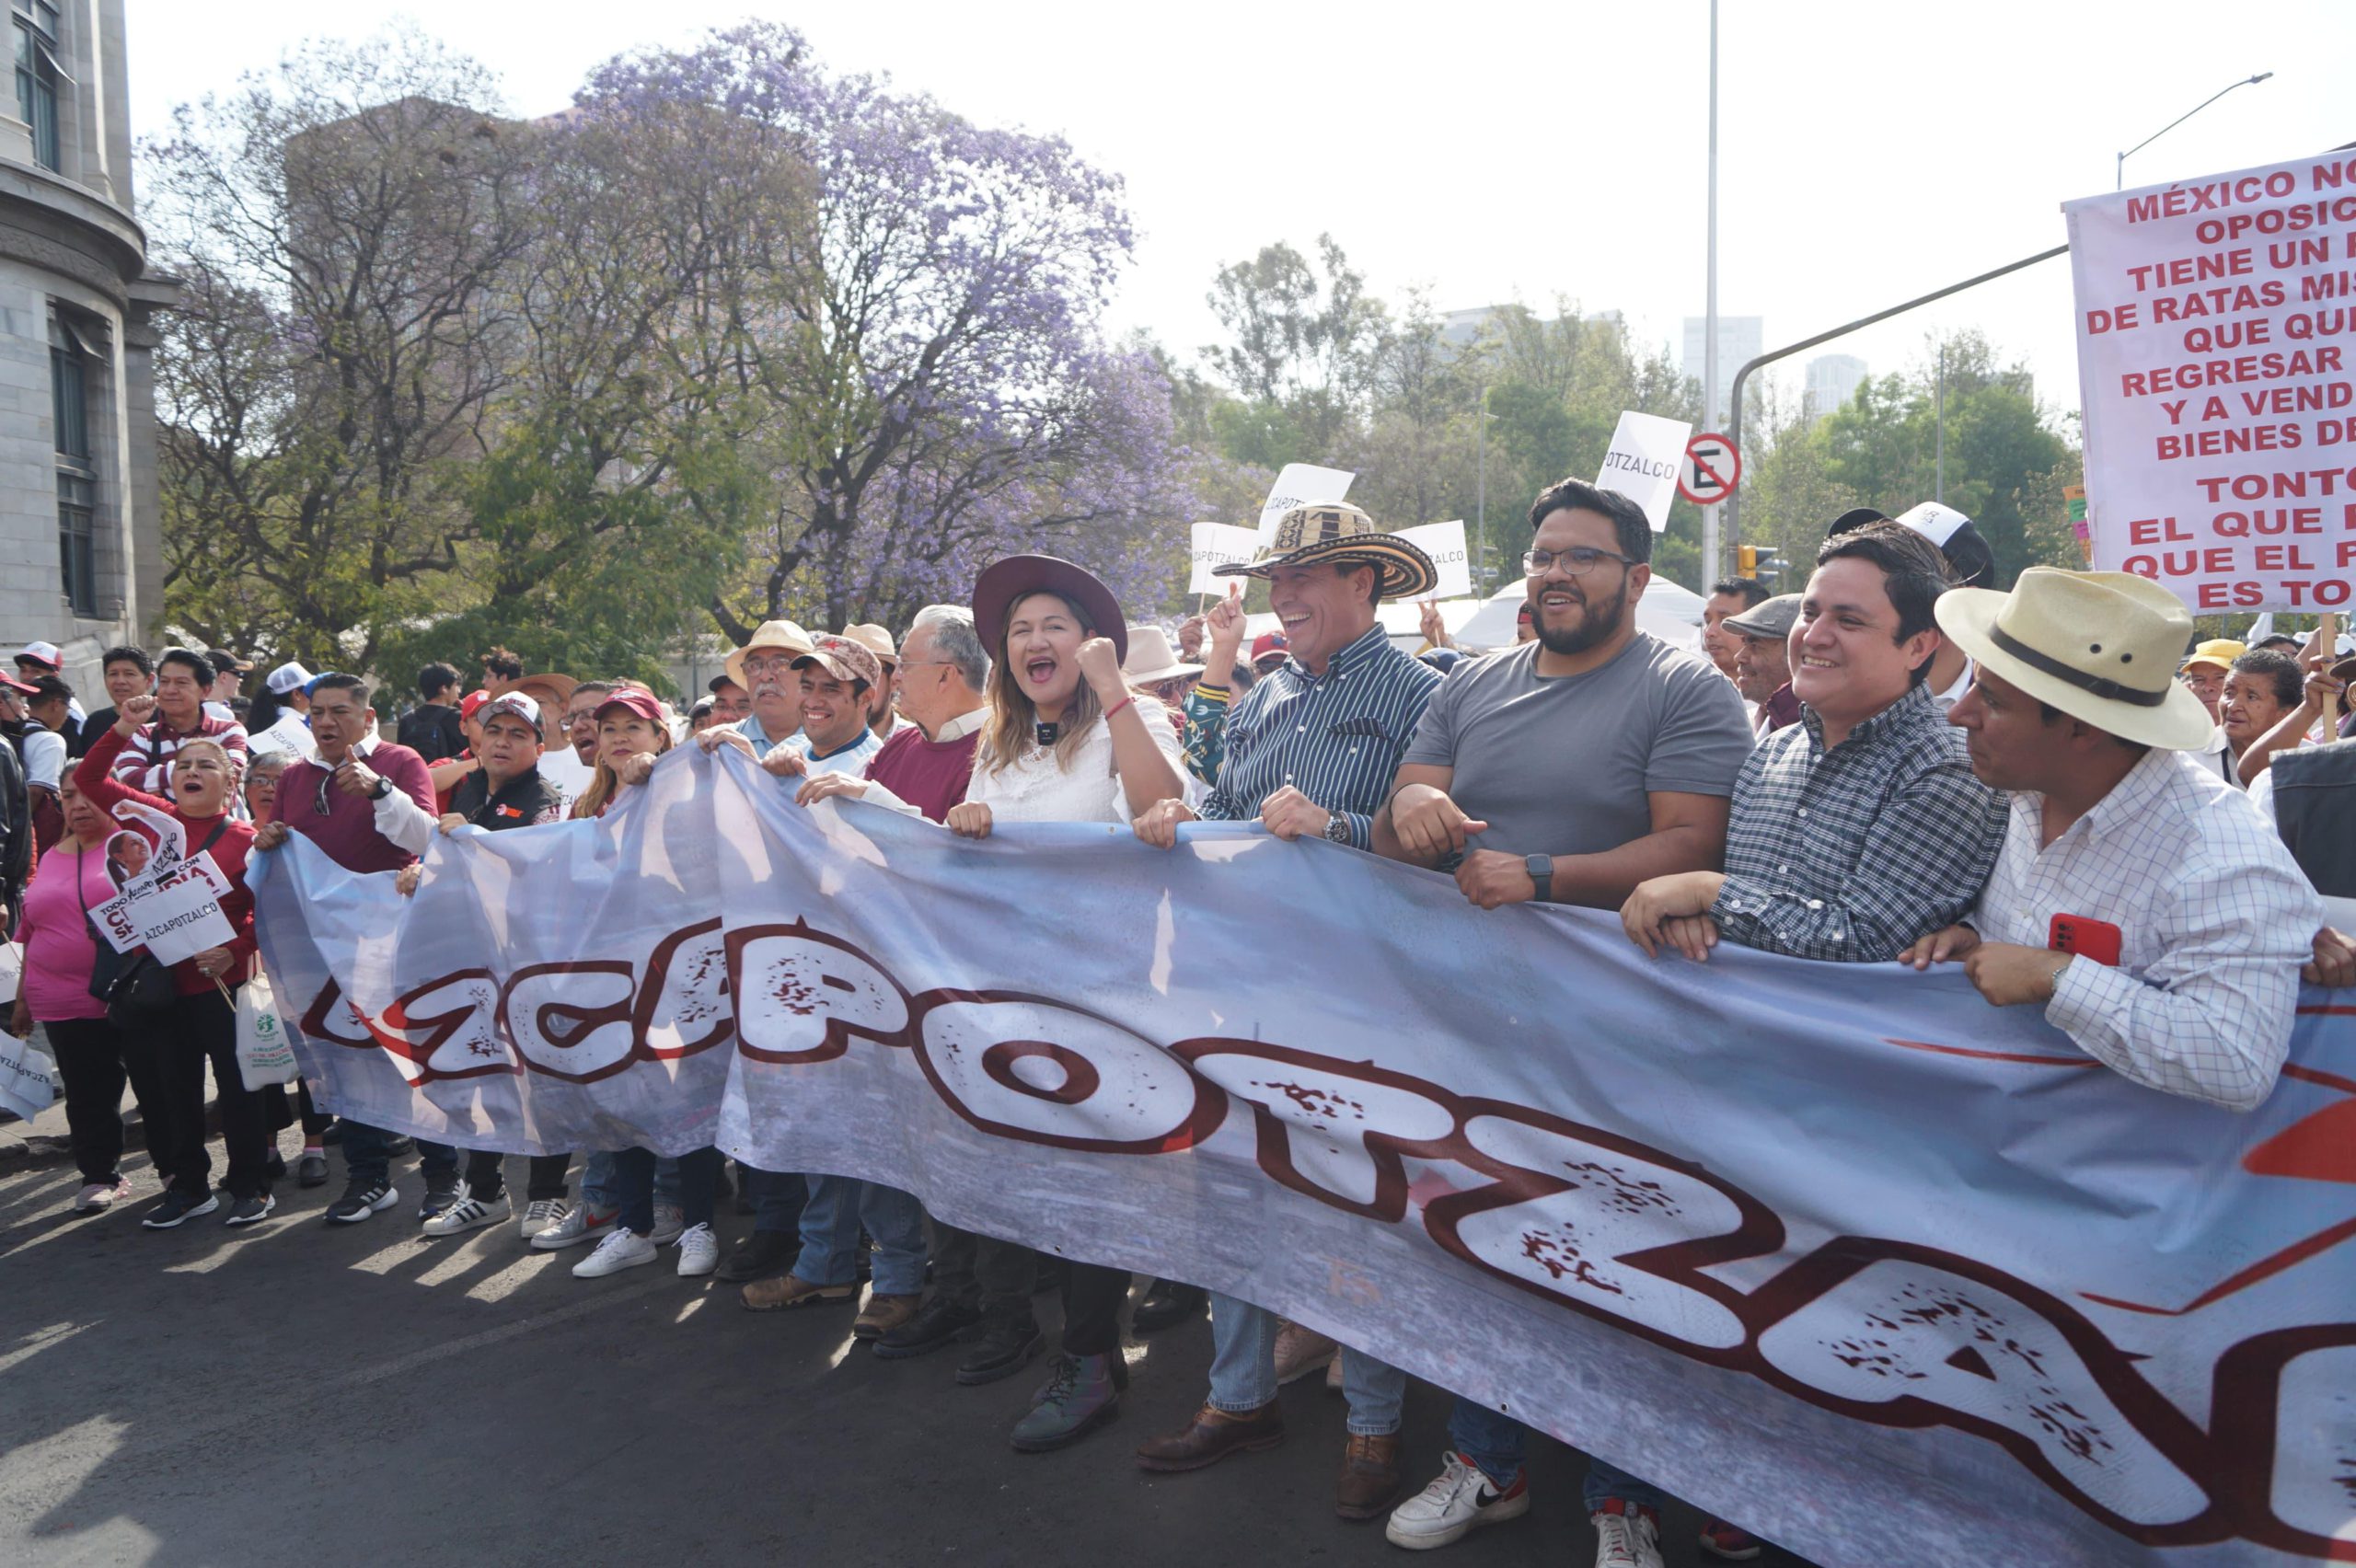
(1577, 561)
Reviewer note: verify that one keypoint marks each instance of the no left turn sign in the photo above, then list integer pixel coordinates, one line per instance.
(1711, 469)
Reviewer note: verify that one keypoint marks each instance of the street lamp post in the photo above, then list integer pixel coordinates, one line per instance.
(1710, 567)
(2119, 173)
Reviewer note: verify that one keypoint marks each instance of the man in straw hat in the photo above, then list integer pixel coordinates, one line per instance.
(1310, 751)
(763, 667)
(2138, 900)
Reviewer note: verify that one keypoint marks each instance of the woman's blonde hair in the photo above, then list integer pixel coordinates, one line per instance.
(1013, 716)
(228, 759)
(607, 784)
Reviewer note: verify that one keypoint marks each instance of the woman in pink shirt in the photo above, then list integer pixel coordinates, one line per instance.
(93, 1056)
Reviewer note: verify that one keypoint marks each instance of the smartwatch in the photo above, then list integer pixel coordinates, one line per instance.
(1337, 828)
(1541, 874)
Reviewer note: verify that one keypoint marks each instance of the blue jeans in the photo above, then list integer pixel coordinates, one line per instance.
(1244, 1371)
(364, 1157)
(777, 1197)
(1496, 1442)
(602, 1189)
(698, 1186)
(830, 1226)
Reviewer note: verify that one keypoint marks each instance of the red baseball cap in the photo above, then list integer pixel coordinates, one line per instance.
(638, 704)
(14, 685)
(1269, 642)
(474, 699)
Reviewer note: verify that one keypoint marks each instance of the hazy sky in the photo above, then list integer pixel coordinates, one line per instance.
(1867, 152)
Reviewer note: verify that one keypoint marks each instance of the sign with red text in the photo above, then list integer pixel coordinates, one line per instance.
(2216, 318)
(1835, 1250)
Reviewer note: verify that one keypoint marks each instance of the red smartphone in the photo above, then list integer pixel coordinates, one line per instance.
(2097, 939)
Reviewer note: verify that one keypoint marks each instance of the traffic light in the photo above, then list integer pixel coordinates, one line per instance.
(1769, 563)
(1746, 561)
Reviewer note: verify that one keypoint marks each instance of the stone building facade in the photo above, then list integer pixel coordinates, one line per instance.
(81, 558)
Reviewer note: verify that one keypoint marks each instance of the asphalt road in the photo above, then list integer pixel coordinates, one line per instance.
(297, 1393)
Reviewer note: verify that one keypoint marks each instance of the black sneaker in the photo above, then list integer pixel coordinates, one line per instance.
(1004, 1348)
(362, 1198)
(1167, 1305)
(938, 1322)
(442, 1189)
(762, 1252)
(251, 1211)
(174, 1206)
(311, 1170)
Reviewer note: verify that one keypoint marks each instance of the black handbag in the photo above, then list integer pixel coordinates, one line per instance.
(140, 992)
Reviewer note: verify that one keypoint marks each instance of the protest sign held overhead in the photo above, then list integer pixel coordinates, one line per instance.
(2214, 329)
(1444, 542)
(1212, 545)
(1298, 485)
(1643, 461)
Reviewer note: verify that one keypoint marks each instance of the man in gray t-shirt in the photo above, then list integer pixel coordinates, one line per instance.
(1567, 764)
(1570, 768)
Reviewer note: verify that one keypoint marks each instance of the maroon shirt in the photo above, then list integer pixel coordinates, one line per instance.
(347, 830)
(1777, 711)
(929, 775)
(94, 777)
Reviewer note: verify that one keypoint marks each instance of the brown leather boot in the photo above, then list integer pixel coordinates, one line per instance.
(1370, 1476)
(1212, 1436)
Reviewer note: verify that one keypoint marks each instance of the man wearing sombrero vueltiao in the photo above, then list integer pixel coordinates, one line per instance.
(1310, 749)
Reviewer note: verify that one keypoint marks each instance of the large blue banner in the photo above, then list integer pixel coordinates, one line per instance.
(1836, 1251)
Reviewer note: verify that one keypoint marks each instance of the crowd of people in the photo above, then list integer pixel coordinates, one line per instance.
(2050, 787)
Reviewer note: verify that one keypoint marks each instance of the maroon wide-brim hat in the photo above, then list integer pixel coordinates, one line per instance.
(1004, 582)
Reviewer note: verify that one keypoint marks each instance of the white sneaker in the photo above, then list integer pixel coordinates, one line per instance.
(469, 1213)
(670, 1220)
(579, 1225)
(542, 1214)
(698, 1250)
(1626, 1540)
(1460, 1500)
(622, 1249)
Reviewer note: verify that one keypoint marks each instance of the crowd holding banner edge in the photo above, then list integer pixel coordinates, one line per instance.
(2052, 786)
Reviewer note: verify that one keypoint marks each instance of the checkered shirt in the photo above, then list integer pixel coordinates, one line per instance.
(1337, 738)
(1851, 854)
(2214, 920)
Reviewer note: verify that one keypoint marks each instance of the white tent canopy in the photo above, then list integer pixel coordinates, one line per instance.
(1669, 612)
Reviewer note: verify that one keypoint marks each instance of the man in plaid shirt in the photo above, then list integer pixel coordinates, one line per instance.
(1860, 827)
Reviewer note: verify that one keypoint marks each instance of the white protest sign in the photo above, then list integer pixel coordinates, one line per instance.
(2214, 342)
(1444, 542)
(174, 917)
(1217, 544)
(28, 1078)
(1646, 454)
(1299, 484)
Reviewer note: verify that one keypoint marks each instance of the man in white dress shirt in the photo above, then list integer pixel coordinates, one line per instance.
(2140, 900)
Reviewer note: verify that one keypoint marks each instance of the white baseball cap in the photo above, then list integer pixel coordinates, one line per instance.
(43, 653)
(287, 677)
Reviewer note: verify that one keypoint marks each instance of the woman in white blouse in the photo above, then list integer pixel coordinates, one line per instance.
(1064, 740)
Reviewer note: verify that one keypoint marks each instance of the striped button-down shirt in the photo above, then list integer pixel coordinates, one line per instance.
(2214, 920)
(1851, 853)
(1337, 738)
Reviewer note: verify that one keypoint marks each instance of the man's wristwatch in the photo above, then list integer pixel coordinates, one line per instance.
(1541, 874)
(383, 788)
(1337, 828)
